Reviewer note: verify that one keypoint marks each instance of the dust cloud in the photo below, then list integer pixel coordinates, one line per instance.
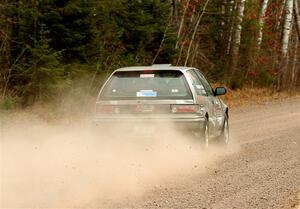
(67, 165)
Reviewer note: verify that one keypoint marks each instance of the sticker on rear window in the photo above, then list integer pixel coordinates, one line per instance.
(146, 93)
(147, 75)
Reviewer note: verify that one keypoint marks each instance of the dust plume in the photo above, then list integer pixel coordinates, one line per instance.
(64, 165)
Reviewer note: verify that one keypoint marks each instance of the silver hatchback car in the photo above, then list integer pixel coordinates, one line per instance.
(164, 93)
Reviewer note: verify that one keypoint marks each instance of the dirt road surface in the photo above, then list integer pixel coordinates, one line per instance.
(263, 173)
(58, 166)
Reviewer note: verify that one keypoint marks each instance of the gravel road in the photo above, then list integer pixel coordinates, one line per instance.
(46, 165)
(263, 173)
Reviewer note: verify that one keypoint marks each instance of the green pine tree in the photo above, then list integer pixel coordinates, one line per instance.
(41, 74)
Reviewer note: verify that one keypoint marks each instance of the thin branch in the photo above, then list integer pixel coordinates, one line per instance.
(163, 39)
(10, 71)
(194, 33)
(181, 23)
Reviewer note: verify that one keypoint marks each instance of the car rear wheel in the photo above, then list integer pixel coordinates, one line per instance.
(223, 139)
(203, 134)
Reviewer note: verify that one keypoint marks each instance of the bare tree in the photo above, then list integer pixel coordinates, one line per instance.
(237, 36)
(174, 12)
(276, 54)
(256, 49)
(295, 67)
(182, 23)
(165, 33)
(261, 22)
(195, 31)
(280, 14)
(162, 40)
(287, 29)
(297, 17)
(232, 7)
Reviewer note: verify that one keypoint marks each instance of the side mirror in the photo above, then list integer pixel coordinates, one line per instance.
(220, 91)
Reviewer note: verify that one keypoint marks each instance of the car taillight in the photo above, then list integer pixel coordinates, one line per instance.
(186, 109)
(107, 109)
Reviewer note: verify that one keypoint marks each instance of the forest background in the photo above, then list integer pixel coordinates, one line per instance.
(52, 50)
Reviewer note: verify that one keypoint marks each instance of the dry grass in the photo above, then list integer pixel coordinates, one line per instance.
(252, 96)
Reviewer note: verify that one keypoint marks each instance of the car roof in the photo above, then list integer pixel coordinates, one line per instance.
(153, 67)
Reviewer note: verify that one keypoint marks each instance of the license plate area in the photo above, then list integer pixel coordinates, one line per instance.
(145, 108)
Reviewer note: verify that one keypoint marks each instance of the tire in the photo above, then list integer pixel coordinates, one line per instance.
(201, 135)
(205, 134)
(223, 139)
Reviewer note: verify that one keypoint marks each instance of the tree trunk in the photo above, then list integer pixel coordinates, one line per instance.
(223, 11)
(297, 17)
(295, 64)
(237, 37)
(255, 52)
(287, 28)
(261, 22)
(277, 50)
(232, 8)
(174, 10)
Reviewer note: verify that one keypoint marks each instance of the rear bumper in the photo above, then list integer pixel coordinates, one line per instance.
(159, 123)
(189, 118)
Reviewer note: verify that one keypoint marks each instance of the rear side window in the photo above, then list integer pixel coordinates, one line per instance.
(197, 85)
(162, 84)
(205, 83)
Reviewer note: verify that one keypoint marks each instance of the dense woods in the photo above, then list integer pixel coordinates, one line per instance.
(50, 48)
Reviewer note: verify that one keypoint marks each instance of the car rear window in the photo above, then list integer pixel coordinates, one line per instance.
(162, 84)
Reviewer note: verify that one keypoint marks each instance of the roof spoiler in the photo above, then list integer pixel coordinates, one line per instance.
(162, 65)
